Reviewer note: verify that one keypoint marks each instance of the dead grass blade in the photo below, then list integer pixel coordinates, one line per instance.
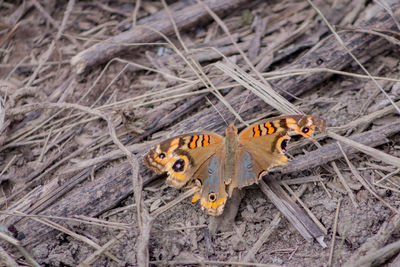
(296, 196)
(181, 197)
(375, 242)
(278, 74)
(331, 250)
(78, 219)
(375, 153)
(375, 32)
(2, 114)
(264, 237)
(92, 257)
(6, 259)
(81, 238)
(345, 185)
(363, 182)
(386, 177)
(7, 236)
(261, 90)
(352, 55)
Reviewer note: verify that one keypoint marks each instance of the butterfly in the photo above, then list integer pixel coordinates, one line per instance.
(216, 165)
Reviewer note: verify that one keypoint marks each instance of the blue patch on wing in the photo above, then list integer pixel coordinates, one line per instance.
(246, 170)
(212, 181)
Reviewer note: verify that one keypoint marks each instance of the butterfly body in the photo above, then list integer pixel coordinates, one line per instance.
(217, 165)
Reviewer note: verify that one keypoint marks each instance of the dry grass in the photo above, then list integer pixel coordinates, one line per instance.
(69, 167)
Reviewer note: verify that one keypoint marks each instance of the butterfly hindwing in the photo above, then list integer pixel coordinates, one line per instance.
(210, 179)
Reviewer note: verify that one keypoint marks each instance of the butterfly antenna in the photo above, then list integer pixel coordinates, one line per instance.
(219, 113)
(240, 109)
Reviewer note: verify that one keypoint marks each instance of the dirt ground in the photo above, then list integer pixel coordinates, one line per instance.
(86, 93)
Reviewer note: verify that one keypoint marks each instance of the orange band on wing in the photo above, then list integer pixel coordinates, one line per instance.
(270, 128)
(212, 205)
(179, 176)
(256, 131)
(195, 198)
(217, 203)
(206, 140)
(193, 142)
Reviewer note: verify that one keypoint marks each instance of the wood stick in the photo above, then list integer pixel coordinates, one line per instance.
(327, 153)
(373, 243)
(100, 195)
(326, 54)
(184, 18)
(288, 207)
(114, 190)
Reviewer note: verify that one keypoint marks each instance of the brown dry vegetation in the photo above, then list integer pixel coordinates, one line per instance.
(71, 175)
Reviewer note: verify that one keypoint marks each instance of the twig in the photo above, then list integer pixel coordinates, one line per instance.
(334, 232)
(184, 18)
(330, 152)
(375, 153)
(181, 197)
(135, 12)
(208, 262)
(7, 237)
(376, 241)
(344, 183)
(264, 236)
(364, 183)
(353, 56)
(89, 260)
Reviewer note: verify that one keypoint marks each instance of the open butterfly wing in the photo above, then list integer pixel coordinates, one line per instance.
(212, 188)
(180, 157)
(262, 145)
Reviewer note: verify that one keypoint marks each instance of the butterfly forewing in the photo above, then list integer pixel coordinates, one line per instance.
(266, 143)
(181, 156)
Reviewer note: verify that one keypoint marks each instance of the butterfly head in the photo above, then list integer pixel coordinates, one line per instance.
(231, 130)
